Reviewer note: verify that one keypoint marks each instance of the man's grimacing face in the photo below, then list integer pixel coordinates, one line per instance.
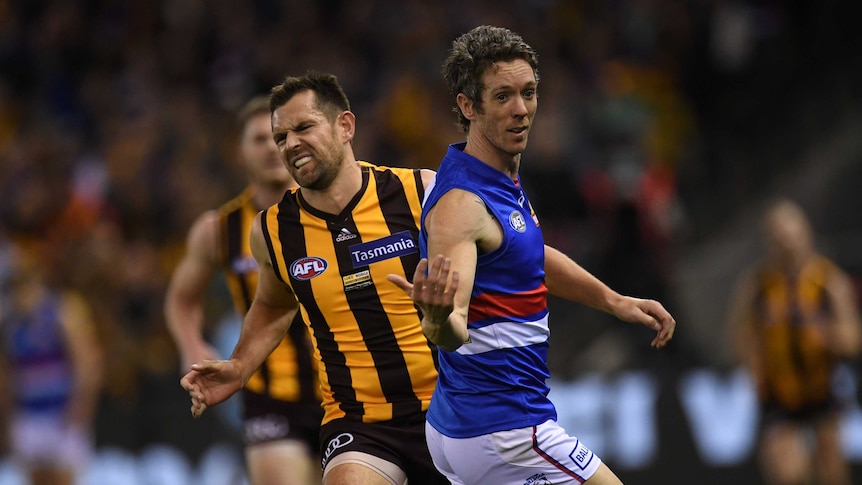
(311, 146)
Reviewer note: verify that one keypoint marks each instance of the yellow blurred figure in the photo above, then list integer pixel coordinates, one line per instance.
(794, 318)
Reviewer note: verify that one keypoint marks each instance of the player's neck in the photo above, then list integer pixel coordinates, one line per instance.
(480, 148)
(340, 192)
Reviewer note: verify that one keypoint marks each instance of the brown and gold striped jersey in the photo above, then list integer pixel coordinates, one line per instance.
(290, 372)
(791, 313)
(375, 363)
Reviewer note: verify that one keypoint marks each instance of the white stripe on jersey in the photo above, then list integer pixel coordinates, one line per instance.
(506, 335)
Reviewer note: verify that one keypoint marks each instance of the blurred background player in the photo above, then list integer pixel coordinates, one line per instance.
(50, 374)
(794, 318)
(281, 404)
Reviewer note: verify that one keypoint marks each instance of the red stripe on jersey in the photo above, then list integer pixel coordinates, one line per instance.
(491, 305)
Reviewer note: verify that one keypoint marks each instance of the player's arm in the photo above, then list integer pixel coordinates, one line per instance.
(267, 321)
(741, 323)
(846, 329)
(457, 226)
(184, 300)
(567, 279)
(87, 359)
(271, 312)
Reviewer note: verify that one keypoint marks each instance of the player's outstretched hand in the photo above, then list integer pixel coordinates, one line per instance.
(649, 313)
(431, 290)
(211, 382)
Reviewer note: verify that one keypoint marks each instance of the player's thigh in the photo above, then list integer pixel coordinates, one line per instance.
(281, 462)
(357, 468)
(51, 476)
(49, 443)
(393, 449)
(828, 435)
(784, 456)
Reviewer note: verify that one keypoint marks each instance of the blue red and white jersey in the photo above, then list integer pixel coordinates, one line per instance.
(497, 380)
(35, 347)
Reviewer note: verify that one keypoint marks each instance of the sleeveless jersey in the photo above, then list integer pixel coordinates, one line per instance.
(375, 363)
(790, 312)
(496, 381)
(41, 368)
(289, 373)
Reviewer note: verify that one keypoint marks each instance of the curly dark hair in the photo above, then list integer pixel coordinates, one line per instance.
(329, 95)
(473, 53)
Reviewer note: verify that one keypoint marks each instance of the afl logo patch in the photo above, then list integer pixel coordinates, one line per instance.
(516, 220)
(306, 268)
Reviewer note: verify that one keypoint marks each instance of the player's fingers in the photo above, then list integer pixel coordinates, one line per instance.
(401, 282)
(435, 271)
(445, 268)
(198, 409)
(453, 286)
(419, 274)
(665, 334)
(189, 385)
(668, 329)
(438, 274)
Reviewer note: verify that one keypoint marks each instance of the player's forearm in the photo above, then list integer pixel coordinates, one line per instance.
(846, 341)
(847, 327)
(85, 393)
(82, 407)
(567, 279)
(448, 335)
(262, 330)
(185, 323)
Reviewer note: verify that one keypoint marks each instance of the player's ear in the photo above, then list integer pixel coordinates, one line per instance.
(347, 124)
(467, 106)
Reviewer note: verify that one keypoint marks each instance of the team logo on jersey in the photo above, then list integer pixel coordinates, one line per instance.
(582, 456)
(516, 220)
(538, 479)
(243, 265)
(344, 235)
(357, 280)
(306, 268)
(382, 249)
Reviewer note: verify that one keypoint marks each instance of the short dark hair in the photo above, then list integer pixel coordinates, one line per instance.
(473, 53)
(258, 105)
(330, 97)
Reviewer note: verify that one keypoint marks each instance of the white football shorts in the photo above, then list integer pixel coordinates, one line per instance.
(47, 441)
(536, 455)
